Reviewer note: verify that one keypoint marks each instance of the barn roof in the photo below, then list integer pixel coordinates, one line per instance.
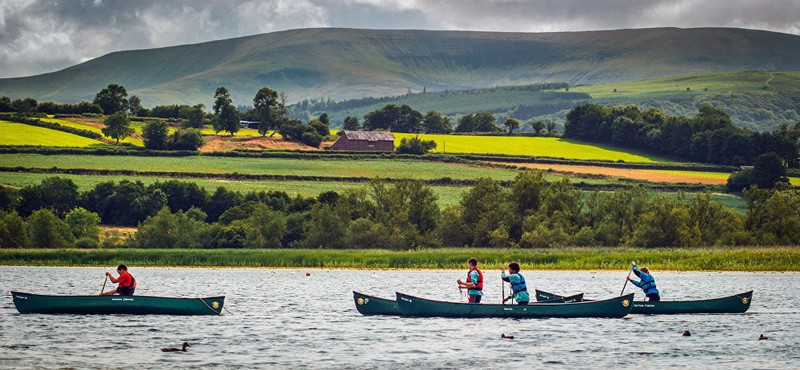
(369, 135)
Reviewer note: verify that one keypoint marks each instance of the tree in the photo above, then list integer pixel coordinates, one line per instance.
(222, 98)
(188, 139)
(311, 138)
(118, 126)
(83, 224)
(512, 124)
(351, 123)
(320, 126)
(485, 122)
(227, 120)
(155, 135)
(12, 231)
(194, 116)
(112, 99)
(435, 123)
(134, 105)
(25, 106)
(324, 119)
(266, 104)
(415, 145)
(56, 193)
(537, 126)
(551, 127)
(768, 170)
(46, 230)
(265, 228)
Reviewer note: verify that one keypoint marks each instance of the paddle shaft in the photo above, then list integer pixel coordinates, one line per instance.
(503, 298)
(626, 282)
(103, 289)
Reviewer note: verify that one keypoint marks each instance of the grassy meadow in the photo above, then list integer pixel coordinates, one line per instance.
(706, 83)
(663, 259)
(334, 167)
(12, 133)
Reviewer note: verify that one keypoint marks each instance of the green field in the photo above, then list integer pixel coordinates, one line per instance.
(661, 259)
(12, 133)
(383, 168)
(706, 83)
(131, 140)
(531, 146)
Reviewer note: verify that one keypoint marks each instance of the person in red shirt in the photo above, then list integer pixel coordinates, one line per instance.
(126, 282)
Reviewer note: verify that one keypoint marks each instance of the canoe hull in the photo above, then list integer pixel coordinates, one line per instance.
(370, 305)
(610, 308)
(738, 303)
(105, 305)
(542, 296)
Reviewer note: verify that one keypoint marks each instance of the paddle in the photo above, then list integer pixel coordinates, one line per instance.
(503, 298)
(103, 289)
(626, 281)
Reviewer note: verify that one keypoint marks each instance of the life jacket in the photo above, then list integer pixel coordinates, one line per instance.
(479, 284)
(128, 290)
(649, 286)
(520, 286)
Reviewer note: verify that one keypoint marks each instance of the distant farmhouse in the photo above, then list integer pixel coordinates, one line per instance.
(381, 141)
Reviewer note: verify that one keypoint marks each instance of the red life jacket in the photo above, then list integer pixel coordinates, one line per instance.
(479, 284)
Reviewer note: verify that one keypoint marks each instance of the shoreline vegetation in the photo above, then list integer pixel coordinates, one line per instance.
(589, 258)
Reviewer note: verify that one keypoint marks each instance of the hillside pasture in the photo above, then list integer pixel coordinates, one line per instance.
(531, 146)
(96, 125)
(12, 133)
(334, 167)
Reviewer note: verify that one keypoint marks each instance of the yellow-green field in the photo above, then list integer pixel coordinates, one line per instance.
(530, 146)
(12, 133)
(136, 140)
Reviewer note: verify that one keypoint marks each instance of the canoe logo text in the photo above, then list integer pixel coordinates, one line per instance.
(363, 300)
(215, 304)
(625, 303)
(745, 300)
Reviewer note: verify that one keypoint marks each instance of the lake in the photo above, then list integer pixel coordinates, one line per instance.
(281, 318)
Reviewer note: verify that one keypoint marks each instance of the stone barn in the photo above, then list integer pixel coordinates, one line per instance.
(380, 141)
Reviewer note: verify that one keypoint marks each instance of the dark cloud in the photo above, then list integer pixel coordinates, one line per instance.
(39, 36)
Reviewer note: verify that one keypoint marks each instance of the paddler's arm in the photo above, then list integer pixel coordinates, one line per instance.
(112, 278)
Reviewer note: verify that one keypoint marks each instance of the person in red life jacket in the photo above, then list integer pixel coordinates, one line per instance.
(126, 282)
(474, 283)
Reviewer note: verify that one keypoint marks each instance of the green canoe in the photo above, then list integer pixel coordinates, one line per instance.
(115, 304)
(371, 305)
(736, 303)
(416, 306)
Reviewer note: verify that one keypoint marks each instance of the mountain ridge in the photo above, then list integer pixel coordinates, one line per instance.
(342, 63)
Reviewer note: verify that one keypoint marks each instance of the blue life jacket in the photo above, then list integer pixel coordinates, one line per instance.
(521, 286)
(648, 284)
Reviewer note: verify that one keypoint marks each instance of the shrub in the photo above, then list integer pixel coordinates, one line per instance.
(311, 138)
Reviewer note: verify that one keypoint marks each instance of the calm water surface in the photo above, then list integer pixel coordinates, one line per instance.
(282, 318)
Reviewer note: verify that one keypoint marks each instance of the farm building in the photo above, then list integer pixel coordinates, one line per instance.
(382, 141)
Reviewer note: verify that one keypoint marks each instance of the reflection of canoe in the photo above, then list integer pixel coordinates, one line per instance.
(133, 305)
(415, 306)
(736, 303)
(371, 305)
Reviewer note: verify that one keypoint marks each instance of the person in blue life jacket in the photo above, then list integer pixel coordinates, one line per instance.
(474, 283)
(646, 282)
(519, 290)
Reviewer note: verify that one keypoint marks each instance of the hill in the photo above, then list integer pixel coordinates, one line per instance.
(757, 100)
(348, 63)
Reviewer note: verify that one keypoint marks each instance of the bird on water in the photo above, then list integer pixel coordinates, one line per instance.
(687, 334)
(503, 336)
(185, 344)
(762, 337)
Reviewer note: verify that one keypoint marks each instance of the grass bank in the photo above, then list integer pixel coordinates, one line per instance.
(676, 259)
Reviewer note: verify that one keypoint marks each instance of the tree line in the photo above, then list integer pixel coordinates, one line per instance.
(530, 213)
(707, 137)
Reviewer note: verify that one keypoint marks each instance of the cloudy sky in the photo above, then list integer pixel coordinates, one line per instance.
(38, 36)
